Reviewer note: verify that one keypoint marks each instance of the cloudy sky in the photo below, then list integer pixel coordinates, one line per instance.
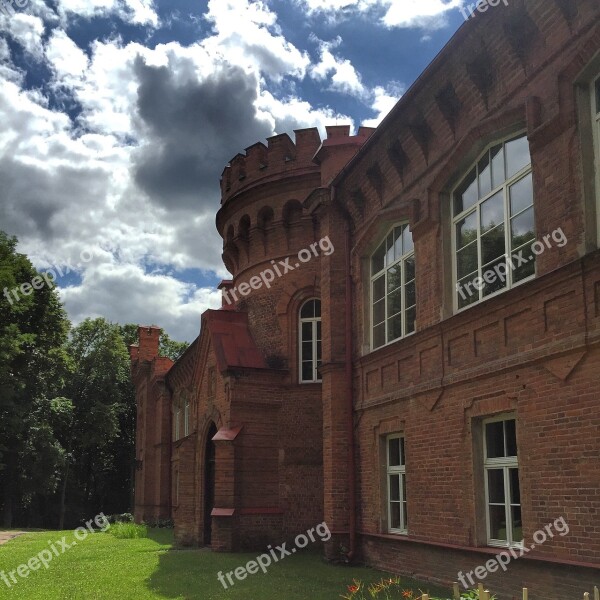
(117, 118)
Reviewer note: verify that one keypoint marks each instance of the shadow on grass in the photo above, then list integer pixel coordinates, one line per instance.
(192, 574)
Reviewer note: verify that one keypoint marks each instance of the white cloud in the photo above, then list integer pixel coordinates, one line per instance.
(343, 76)
(70, 183)
(139, 12)
(384, 99)
(25, 29)
(427, 14)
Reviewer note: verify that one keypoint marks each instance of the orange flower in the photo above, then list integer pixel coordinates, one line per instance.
(353, 589)
(407, 594)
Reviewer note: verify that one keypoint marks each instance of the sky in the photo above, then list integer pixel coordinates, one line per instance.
(117, 118)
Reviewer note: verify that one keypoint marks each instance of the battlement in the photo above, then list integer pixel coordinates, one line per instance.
(281, 156)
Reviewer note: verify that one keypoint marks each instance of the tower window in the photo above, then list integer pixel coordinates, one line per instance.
(310, 341)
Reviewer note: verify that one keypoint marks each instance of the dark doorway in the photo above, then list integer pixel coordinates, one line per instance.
(209, 484)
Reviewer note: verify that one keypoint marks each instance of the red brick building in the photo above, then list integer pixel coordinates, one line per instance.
(425, 380)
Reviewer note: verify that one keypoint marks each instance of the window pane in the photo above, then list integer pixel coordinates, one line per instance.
(522, 228)
(494, 277)
(510, 428)
(494, 438)
(379, 335)
(319, 331)
(394, 326)
(517, 524)
(521, 194)
(394, 303)
(308, 310)
(394, 278)
(515, 488)
(496, 486)
(411, 320)
(307, 371)
(409, 269)
(598, 96)
(497, 522)
(395, 515)
(467, 293)
(307, 331)
(395, 487)
(493, 245)
(410, 295)
(397, 243)
(407, 240)
(379, 312)
(402, 459)
(379, 288)
(307, 351)
(317, 308)
(319, 352)
(467, 260)
(492, 212)
(394, 458)
(485, 176)
(378, 260)
(389, 259)
(525, 270)
(466, 230)
(466, 195)
(498, 170)
(405, 511)
(517, 156)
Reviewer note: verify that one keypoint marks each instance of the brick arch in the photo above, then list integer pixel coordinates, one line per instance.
(288, 309)
(291, 213)
(475, 142)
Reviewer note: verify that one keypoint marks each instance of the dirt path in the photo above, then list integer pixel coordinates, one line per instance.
(6, 536)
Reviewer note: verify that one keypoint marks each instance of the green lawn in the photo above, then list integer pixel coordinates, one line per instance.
(104, 567)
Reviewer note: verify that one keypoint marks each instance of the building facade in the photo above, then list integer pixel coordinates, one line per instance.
(408, 347)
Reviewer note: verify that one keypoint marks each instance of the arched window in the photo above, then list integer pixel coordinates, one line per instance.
(493, 223)
(393, 294)
(310, 341)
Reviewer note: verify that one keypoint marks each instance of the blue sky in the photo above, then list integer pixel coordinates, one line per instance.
(118, 117)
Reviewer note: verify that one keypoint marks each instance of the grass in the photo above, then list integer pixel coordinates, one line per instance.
(104, 567)
(128, 531)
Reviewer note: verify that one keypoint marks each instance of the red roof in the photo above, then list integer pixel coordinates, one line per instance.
(232, 342)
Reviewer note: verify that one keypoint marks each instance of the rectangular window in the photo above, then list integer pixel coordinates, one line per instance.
(176, 419)
(186, 419)
(396, 484)
(502, 489)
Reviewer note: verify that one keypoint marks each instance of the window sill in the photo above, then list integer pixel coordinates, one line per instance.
(486, 550)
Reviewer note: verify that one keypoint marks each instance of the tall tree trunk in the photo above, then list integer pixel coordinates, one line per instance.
(63, 497)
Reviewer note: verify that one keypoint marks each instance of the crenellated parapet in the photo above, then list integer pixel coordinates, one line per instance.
(282, 157)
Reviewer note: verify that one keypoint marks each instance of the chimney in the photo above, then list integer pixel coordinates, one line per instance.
(149, 339)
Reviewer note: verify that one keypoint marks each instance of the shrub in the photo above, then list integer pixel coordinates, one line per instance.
(390, 589)
(122, 518)
(160, 523)
(128, 531)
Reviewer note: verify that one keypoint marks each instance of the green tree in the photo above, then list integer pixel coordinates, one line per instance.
(33, 369)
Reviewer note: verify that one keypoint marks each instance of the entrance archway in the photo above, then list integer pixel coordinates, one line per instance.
(209, 483)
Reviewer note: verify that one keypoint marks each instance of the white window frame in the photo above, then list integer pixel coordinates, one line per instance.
(315, 343)
(401, 260)
(400, 472)
(504, 463)
(595, 101)
(520, 175)
(176, 418)
(186, 419)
